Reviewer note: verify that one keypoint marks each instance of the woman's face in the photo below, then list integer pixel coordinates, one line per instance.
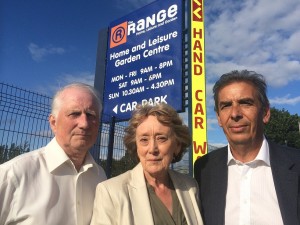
(156, 146)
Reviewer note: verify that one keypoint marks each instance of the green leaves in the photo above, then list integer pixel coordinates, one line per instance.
(283, 128)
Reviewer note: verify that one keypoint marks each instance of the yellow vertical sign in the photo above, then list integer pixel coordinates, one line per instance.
(197, 80)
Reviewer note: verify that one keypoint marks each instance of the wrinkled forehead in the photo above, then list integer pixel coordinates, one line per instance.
(80, 96)
(238, 87)
(152, 124)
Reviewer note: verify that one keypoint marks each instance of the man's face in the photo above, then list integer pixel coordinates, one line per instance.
(77, 122)
(240, 114)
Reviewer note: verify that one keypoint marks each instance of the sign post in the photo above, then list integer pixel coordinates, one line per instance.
(197, 104)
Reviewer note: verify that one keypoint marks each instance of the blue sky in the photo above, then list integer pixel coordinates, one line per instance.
(47, 44)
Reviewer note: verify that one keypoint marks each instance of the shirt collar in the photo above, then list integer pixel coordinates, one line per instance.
(263, 154)
(89, 162)
(55, 156)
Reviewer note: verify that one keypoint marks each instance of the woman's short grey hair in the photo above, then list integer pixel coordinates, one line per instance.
(57, 100)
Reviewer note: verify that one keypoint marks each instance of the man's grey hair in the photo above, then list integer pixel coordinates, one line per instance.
(257, 80)
(57, 100)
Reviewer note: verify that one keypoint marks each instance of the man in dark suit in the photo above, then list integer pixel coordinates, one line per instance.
(252, 180)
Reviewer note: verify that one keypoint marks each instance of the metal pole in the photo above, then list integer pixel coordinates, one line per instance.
(110, 147)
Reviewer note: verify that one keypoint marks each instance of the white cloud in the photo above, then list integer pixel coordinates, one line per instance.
(212, 124)
(219, 145)
(289, 48)
(285, 100)
(82, 77)
(39, 53)
(65, 79)
(259, 35)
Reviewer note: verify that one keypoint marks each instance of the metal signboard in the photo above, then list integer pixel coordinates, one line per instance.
(144, 59)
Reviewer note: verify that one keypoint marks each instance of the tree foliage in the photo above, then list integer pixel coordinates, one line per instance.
(283, 128)
(120, 166)
(7, 153)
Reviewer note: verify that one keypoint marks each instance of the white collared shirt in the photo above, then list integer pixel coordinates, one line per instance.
(43, 187)
(251, 197)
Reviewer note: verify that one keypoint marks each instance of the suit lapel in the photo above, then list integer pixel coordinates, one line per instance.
(286, 183)
(188, 204)
(138, 194)
(214, 188)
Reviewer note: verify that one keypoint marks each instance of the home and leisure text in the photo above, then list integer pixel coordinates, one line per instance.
(159, 47)
(145, 78)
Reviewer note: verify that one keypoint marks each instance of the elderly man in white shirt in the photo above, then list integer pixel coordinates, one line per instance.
(56, 184)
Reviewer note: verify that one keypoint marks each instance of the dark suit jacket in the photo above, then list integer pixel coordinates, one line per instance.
(211, 173)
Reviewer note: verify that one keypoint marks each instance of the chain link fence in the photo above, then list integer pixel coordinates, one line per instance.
(24, 127)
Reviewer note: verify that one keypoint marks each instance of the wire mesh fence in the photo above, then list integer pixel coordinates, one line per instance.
(23, 121)
(24, 127)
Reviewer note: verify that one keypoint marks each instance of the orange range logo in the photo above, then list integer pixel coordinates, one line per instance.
(118, 35)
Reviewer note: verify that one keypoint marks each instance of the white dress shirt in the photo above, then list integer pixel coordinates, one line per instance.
(251, 197)
(43, 187)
